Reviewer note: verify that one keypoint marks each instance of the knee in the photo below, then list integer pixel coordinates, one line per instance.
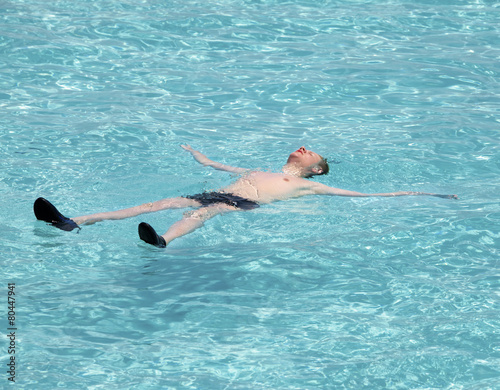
(200, 215)
(147, 206)
(205, 213)
(193, 214)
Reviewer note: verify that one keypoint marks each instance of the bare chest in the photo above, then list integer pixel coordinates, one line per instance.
(266, 187)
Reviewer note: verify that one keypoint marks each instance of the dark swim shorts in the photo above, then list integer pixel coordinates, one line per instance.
(209, 198)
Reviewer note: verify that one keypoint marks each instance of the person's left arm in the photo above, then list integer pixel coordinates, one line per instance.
(321, 189)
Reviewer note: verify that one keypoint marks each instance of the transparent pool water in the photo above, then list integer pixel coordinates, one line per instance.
(312, 293)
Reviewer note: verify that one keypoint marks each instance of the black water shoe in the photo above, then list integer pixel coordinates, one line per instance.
(46, 211)
(149, 235)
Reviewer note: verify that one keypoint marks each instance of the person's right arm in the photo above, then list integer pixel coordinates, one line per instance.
(204, 160)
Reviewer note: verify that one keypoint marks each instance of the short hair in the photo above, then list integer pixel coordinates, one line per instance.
(323, 164)
(325, 168)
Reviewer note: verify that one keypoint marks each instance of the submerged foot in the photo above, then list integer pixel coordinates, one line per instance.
(149, 235)
(46, 211)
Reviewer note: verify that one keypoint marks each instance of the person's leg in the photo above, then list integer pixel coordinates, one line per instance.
(168, 203)
(191, 221)
(195, 219)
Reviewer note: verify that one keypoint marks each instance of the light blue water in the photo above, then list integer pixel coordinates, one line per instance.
(313, 293)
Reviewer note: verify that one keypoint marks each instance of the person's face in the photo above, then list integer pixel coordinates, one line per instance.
(304, 158)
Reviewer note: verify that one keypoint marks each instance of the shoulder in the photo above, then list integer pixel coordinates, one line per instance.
(300, 185)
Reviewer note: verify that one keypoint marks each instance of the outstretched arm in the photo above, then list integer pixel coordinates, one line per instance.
(321, 189)
(204, 160)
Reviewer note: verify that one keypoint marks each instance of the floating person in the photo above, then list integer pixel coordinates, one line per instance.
(251, 190)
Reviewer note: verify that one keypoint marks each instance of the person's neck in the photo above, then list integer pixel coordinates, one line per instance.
(293, 170)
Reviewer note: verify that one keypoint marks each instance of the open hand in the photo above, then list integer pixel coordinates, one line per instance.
(187, 147)
(447, 196)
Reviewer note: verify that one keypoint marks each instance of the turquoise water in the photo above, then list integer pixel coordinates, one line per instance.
(312, 293)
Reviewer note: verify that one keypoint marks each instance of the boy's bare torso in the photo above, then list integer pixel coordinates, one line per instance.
(267, 187)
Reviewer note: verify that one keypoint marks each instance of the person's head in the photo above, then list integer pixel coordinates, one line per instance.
(308, 162)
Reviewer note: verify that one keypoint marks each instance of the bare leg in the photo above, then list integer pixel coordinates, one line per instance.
(168, 203)
(194, 219)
